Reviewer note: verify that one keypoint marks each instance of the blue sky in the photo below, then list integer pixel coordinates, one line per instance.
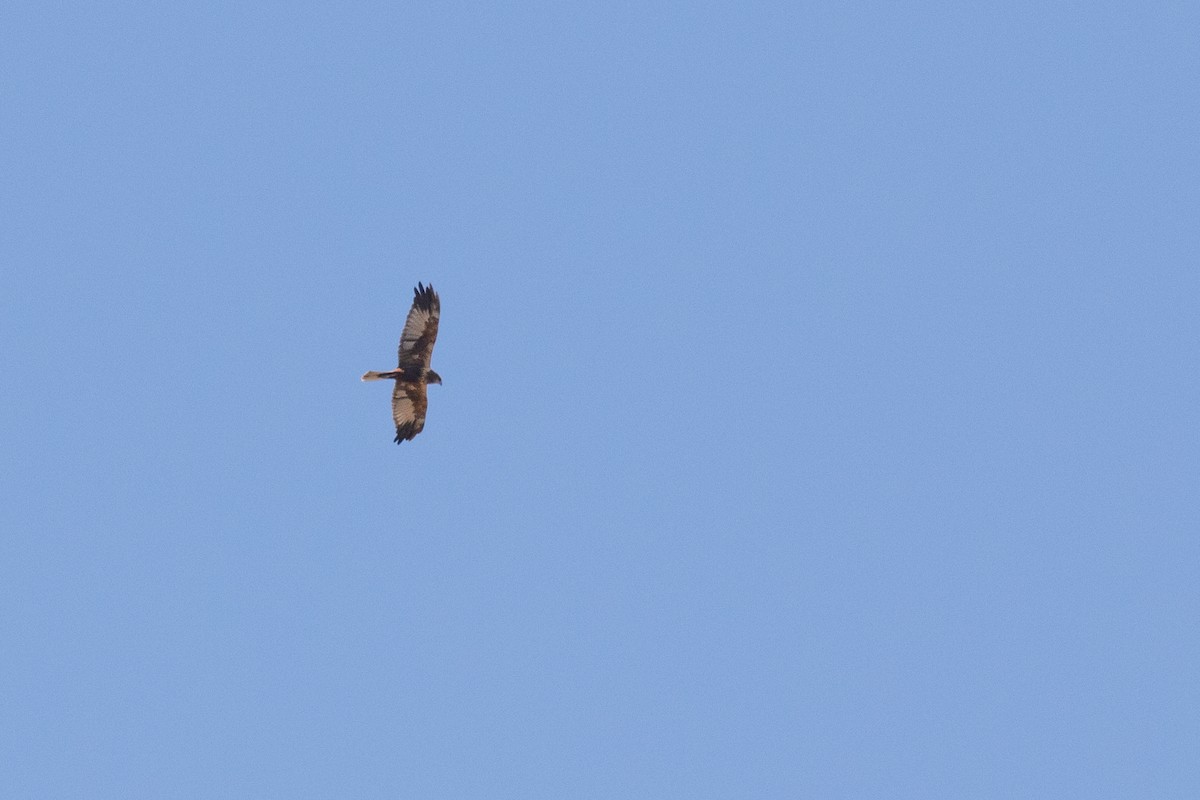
(819, 417)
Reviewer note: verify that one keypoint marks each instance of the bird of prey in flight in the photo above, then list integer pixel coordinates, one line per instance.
(413, 374)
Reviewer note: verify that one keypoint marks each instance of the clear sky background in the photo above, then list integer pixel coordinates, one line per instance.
(819, 418)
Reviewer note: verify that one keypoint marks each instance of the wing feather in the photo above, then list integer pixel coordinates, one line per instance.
(420, 330)
(409, 403)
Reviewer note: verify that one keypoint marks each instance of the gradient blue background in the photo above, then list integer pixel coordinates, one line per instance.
(819, 419)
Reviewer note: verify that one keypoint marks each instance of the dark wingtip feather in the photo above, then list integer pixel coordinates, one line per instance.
(424, 297)
(405, 433)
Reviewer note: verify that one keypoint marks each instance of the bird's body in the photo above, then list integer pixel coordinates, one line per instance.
(412, 374)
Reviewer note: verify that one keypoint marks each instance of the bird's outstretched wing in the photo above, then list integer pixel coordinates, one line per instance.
(420, 332)
(408, 409)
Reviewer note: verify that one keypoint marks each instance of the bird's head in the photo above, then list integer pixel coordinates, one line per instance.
(432, 377)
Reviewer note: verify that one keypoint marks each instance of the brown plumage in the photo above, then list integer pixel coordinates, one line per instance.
(413, 374)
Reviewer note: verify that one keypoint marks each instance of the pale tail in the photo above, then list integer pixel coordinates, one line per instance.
(373, 376)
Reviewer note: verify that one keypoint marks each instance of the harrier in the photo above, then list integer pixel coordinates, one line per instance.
(413, 373)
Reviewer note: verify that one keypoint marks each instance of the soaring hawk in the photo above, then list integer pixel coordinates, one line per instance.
(413, 373)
